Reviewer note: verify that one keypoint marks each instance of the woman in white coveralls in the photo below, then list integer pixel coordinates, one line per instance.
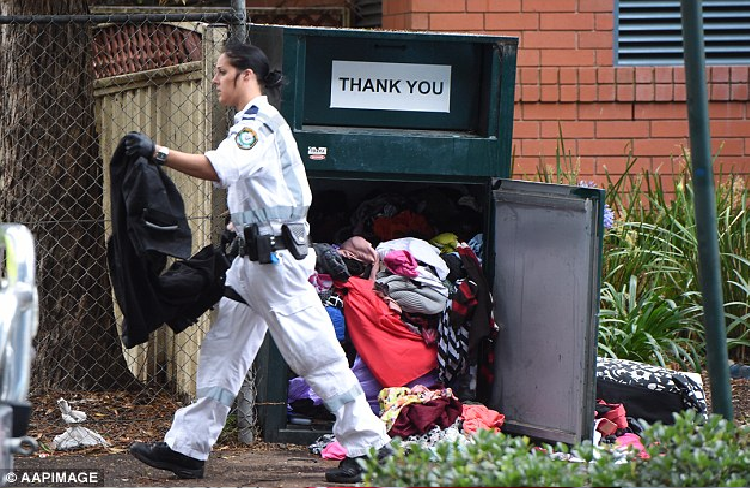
(267, 188)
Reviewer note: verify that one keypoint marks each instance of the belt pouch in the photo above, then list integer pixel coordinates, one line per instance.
(294, 237)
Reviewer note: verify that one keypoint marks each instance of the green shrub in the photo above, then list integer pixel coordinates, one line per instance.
(689, 453)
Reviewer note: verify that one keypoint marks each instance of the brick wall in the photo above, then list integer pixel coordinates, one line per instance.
(565, 74)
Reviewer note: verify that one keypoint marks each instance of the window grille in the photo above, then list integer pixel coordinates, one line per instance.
(368, 14)
(650, 32)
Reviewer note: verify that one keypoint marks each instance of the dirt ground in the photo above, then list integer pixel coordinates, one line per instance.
(124, 417)
(292, 466)
(231, 463)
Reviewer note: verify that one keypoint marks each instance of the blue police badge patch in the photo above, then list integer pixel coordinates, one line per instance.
(246, 138)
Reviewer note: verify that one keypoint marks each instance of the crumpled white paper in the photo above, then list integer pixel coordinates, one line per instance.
(76, 436)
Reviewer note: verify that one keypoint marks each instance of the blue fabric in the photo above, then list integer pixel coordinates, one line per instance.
(337, 318)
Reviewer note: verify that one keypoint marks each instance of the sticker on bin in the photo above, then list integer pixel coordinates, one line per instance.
(406, 87)
(317, 152)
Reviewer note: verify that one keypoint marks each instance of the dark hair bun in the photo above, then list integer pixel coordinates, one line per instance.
(272, 79)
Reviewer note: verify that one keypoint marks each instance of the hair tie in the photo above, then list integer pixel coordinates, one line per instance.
(272, 79)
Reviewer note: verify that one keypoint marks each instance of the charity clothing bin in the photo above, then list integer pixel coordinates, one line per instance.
(407, 113)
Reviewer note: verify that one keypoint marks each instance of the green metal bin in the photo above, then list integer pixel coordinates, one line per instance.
(409, 109)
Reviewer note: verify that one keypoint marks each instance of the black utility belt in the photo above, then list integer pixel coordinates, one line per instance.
(261, 248)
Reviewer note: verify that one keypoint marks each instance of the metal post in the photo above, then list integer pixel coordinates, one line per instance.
(239, 26)
(709, 264)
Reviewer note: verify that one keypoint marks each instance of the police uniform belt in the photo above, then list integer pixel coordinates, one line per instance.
(261, 248)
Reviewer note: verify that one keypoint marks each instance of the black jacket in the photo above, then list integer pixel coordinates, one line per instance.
(148, 225)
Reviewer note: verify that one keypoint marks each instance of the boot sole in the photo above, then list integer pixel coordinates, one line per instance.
(349, 481)
(189, 474)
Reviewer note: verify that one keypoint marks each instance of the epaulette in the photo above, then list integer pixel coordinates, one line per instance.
(250, 113)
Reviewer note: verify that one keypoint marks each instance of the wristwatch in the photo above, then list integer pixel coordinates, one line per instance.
(161, 155)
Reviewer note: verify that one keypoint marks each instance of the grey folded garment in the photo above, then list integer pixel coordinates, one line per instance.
(413, 296)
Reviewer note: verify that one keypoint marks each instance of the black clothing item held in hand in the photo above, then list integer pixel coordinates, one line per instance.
(137, 144)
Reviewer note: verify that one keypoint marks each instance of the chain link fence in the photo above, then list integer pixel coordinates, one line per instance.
(72, 87)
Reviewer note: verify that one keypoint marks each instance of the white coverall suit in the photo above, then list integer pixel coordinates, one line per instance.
(260, 165)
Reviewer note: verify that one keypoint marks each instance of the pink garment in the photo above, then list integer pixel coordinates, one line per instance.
(334, 450)
(321, 282)
(401, 263)
(359, 248)
(634, 441)
(480, 417)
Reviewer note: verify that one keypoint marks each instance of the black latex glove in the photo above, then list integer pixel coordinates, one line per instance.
(137, 144)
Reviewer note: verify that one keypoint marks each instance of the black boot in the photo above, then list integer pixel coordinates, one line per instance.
(349, 470)
(161, 456)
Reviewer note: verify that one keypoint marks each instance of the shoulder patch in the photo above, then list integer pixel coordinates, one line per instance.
(246, 138)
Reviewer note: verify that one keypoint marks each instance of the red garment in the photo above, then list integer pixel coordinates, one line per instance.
(605, 426)
(420, 418)
(393, 353)
(403, 224)
(612, 411)
(477, 417)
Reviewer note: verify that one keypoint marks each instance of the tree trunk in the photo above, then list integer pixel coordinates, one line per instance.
(51, 179)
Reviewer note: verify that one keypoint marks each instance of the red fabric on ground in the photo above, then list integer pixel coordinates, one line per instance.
(393, 354)
(480, 417)
(420, 418)
(634, 441)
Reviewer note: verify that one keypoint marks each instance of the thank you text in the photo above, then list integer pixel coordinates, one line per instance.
(391, 86)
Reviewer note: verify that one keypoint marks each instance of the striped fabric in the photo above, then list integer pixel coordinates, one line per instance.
(453, 349)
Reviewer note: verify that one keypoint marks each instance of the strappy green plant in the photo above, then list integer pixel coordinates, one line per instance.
(643, 325)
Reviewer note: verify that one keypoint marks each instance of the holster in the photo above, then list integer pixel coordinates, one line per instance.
(250, 246)
(295, 239)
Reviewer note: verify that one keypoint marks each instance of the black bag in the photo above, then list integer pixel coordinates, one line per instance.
(190, 287)
(647, 392)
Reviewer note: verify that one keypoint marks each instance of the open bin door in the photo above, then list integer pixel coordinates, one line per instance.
(547, 250)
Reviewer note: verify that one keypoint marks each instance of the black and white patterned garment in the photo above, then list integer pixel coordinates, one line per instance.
(632, 373)
(453, 349)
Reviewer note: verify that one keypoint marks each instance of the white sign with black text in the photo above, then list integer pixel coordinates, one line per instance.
(391, 86)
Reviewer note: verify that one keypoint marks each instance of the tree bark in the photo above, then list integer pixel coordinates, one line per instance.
(51, 179)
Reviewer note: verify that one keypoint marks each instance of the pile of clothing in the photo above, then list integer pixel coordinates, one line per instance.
(409, 312)
(406, 298)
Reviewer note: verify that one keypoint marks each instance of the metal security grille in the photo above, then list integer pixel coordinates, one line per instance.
(72, 87)
(650, 32)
